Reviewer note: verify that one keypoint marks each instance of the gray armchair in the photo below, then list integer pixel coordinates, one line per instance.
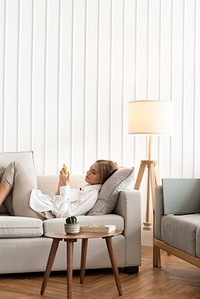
(177, 220)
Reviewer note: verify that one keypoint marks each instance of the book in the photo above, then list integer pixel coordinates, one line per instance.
(97, 228)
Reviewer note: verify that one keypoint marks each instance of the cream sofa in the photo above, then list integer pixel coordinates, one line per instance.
(24, 247)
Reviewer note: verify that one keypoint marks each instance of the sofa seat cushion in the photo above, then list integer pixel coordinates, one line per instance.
(180, 231)
(57, 224)
(20, 227)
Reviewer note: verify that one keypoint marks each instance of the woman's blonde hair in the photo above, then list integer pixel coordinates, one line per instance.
(106, 169)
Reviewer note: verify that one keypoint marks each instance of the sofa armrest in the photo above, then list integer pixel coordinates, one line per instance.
(158, 212)
(129, 207)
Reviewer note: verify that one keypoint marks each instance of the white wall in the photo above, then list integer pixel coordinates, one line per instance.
(69, 68)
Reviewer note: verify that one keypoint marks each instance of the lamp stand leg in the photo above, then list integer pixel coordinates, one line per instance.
(147, 223)
(140, 175)
(151, 184)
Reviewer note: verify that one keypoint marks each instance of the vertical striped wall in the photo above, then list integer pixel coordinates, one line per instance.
(68, 69)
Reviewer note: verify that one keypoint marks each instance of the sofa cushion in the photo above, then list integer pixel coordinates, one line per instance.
(109, 192)
(177, 195)
(25, 181)
(48, 184)
(25, 158)
(57, 224)
(180, 231)
(20, 227)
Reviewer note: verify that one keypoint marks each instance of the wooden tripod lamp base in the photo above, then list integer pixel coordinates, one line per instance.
(151, 184)
(150, 117)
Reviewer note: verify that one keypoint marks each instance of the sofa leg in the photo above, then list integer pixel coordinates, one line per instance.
(156, 257)
(131, 270)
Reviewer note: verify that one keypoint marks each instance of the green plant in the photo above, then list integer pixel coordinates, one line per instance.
(71, 220)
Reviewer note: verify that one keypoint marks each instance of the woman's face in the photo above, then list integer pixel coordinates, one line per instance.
(92, 175)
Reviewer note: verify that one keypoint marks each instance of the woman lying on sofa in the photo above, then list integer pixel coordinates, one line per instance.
(65, 201)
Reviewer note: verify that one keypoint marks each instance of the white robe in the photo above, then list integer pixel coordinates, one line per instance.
(70, 201)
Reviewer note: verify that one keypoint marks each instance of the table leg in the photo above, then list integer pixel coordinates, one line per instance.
(70, 247)
(114, 264)
(51, 259)
(83, 259)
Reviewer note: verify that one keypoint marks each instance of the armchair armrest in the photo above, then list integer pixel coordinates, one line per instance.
(158, 212)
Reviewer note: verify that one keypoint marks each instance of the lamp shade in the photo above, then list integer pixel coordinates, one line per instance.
(151, 117)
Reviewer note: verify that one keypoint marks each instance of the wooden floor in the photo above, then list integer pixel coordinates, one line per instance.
(176, 279)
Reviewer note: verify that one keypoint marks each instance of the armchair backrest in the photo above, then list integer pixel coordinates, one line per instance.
(181, 195)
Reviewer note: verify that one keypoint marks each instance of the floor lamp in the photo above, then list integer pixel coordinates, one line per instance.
(149, 117)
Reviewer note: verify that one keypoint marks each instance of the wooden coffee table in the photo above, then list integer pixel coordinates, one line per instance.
(70, 239)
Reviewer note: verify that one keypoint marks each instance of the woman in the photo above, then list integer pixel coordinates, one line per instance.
(66, 201)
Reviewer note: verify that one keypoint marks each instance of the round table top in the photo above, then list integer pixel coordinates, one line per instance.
(90, 235)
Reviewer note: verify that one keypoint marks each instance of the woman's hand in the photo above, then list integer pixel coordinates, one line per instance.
(64, 179)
